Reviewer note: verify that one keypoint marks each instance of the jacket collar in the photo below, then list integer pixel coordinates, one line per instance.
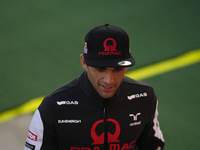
(90, 92)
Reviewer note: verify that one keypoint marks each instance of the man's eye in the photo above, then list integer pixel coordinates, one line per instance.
(100, 68)
(118, 69)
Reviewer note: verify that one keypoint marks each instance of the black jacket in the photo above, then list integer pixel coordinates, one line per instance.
(76, 117)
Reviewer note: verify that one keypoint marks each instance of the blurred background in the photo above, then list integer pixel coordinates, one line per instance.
(40, 44)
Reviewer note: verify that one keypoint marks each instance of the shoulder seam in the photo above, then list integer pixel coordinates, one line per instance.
(131, 81)
(64, 88)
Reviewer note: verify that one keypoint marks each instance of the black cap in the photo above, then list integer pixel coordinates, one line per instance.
(107, 46)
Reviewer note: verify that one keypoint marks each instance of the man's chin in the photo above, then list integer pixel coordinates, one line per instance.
(106, 95)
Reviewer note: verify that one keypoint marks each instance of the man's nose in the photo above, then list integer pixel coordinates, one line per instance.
(109, 77)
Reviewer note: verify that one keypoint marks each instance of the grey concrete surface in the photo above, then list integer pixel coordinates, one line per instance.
(13, 133)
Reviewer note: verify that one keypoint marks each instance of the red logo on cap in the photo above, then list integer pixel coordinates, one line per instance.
(110, 49)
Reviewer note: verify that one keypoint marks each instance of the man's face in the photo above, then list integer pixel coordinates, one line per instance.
(106, 81)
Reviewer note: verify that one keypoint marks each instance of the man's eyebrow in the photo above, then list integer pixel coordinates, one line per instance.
(119, 67)
(100, 67)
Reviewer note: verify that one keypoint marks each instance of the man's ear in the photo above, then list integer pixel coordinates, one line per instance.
(84, 65)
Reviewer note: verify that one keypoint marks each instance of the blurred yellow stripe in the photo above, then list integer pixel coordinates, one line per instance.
(26, 108)
(181, 61)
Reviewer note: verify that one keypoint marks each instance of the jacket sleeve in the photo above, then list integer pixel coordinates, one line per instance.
(41, 134)
(152, 137)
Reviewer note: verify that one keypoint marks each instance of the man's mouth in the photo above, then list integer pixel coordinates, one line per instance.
(107, 88)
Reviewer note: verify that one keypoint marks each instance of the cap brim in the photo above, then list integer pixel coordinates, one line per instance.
(125, 62)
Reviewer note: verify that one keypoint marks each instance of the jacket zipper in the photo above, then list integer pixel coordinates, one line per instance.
(105, 124)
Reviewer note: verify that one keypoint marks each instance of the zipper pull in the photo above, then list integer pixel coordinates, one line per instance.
(105, 108)
(105, 124)
(104, 112)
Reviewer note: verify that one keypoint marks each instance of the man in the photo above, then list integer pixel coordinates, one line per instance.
(102, 109)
